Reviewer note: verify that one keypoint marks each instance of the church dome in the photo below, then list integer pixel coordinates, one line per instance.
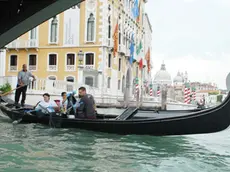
(162, 76)
(178, 78)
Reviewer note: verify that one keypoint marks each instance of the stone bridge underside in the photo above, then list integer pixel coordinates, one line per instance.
(20, 16)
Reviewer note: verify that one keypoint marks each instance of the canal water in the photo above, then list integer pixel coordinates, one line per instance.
(35, 148)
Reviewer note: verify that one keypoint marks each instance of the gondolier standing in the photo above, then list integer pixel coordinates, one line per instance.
(23, 81)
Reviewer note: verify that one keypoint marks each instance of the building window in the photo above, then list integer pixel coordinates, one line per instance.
(70, 60)
(53, 59)
(33, 34)
(109, 28)
(69, 86)
(119, 84)
(124, 41)
(119, 64)
(90, 28)
(32, 62)
(13, 62)
(70, 79)
(123, 84)
(119, 39)
(108, 82)
(89, 81)
(52, 62)
(52, 78)
(54, 30)
(109, 60)
(89, 59)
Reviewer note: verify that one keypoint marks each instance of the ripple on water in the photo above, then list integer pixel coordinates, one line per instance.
(38, 148)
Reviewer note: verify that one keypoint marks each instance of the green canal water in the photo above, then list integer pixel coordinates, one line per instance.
(35, 148)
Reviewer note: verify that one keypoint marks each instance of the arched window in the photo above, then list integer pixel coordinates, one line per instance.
(89, 59)
(52, 62)
(70, 79)
(69, 86)
(90, 28)
(123, 84)
(119, 84)
(13, 63)
(89, 81)
(108, 82)
(70, 62)
(109, 27)
(32, 62)
(54, 30)
(119, 35)
(52, 78)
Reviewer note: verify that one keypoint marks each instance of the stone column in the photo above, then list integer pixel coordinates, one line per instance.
(2, 62)
(164, 97)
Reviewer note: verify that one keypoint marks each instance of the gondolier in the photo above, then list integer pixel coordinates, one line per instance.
(23, 81)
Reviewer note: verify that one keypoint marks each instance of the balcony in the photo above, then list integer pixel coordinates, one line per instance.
(13, 68)
(70, 68)
(20, 44)
(32, 67)
(89, 67)
(52, 68)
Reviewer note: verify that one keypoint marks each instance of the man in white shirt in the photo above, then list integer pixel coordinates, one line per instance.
(46, 105)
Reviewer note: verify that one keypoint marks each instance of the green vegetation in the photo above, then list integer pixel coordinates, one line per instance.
(213, 93)
(219, 98)
(5, 88)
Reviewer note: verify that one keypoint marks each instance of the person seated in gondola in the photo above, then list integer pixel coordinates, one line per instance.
(85, 108)
(63, 102)
(72, 103)
(46, 106)
(201, 104)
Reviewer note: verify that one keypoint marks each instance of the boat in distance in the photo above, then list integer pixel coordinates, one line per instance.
(133, 120)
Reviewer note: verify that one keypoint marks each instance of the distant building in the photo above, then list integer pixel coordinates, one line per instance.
(89, 44)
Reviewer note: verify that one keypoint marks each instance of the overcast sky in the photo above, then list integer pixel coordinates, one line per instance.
(192, 35)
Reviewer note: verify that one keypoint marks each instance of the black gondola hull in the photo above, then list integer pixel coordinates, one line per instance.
(204, 121)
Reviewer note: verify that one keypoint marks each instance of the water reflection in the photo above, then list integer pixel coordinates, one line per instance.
(36, 147)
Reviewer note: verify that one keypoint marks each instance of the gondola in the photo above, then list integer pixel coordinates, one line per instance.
(132, 122)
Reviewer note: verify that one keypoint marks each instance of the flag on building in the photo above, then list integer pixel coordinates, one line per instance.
(139, 48)
(141, 64)
(115, 39)
(131, 58)
(147, 58)
(139, 15)
(135, 9)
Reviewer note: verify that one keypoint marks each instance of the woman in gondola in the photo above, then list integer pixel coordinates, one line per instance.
(46, 106)
(63, 103)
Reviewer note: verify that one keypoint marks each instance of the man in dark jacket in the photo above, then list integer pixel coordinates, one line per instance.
(86, 107)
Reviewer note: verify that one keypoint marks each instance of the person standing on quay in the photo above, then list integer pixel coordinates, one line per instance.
(23, 81)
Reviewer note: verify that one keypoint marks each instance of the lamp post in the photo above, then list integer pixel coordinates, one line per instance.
(80, 57)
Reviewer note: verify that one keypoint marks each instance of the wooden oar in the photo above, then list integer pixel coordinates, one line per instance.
(8, 92)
